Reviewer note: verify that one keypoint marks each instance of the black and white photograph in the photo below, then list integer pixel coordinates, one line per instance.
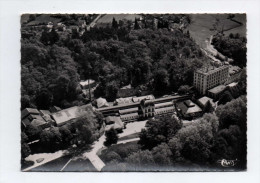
(133, 92)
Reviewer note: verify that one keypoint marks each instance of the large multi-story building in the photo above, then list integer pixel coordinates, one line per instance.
(209, 77)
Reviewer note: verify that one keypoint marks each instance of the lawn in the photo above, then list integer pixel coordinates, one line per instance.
(80, 165)
(132, 136)
(52, 166)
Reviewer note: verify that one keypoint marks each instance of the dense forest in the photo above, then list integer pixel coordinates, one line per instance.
(166, 146)
(232, 46)
(53, 62)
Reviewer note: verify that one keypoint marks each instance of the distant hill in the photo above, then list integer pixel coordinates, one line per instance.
(109, 18)
(40, 19)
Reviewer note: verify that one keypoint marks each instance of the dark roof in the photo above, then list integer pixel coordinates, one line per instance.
(188, 109)
(203, 101)
(54, 109)
(43, 112)
(189, 103)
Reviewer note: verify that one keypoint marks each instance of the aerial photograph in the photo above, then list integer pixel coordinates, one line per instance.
(133, 92)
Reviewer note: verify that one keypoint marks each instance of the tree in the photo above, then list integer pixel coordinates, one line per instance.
(141, 160)
(225, 97)
(194, 142)
(32, 131)
(136, 25)
(44, 99)
(53, 36)
(114, 23)
(51, 139)
(242, 84)
(161, 82)
(111, 137)
(25, 102)
(208, 108)
(159, 130)
(32, 17)
(186, 51)
(111, 90)
(112, 156)
(86, 135)
(162, 155)
(183, 89)
(25, 149)
(233, 113)
(66, 134)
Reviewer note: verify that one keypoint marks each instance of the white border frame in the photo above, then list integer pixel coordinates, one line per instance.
(10, 85)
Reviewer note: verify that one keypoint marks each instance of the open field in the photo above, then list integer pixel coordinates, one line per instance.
(80, 165)
(109, 17)
(201, 27)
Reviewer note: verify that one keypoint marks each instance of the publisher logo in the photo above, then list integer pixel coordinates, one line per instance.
(227, 163)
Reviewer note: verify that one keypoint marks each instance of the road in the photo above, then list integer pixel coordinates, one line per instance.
(93, 23)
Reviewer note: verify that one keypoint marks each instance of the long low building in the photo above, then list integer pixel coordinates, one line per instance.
(143, 109)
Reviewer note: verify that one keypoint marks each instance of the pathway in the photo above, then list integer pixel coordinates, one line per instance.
(92, 155)
(47, 157)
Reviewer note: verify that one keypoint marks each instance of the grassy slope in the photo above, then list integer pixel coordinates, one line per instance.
(202, 23)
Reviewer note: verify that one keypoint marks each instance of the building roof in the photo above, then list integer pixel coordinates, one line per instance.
(26, 122)
(101, 102)
(35, 116)
(233, 84)
(37, 122)
(163, 104)
(234, 69)
(87, 82)
(189, 103)
(66, 115)
(130, 110)
(43, 112)
(118, 124)
(211, 69)
(203, 100)
(158, 100)
(126, 100)
(109, 118)
(129, 115)
(217, 89)
(147, 97)
(28, 111)
(164, 109)
(54, 109)
(126, 87)
(185, 109)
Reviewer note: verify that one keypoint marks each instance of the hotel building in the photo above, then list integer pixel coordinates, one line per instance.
(209, 77)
